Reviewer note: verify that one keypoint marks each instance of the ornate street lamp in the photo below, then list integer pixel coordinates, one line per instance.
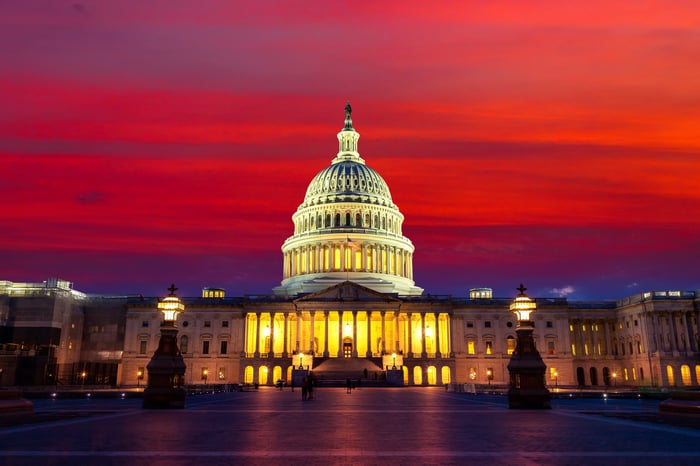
(166, 370)
(393, 355)
(527, 388)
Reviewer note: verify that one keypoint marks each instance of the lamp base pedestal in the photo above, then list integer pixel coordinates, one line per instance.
(527, 371)
(166, 373)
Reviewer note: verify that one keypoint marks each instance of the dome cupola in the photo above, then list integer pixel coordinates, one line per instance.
(348, 228)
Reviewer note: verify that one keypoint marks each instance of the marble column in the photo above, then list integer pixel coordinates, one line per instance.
(325, 336)
(354, 334)
(257, 334)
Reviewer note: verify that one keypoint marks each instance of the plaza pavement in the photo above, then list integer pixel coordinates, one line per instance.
(370, 426)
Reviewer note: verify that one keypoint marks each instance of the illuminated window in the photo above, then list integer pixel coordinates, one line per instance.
(685, 375)
(369, 259)
(470, 347)
(142, 346)
(634, 374)
(639, 347)
(553, 374)
(510, 344)
(358, 260)
(669, 374)
(627, 375)
(348, 258)
(336, 258)
(585, 348)
(573, 349)
(571, 327)
(489, 347)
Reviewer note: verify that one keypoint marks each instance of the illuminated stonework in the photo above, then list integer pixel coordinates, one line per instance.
(348, 229)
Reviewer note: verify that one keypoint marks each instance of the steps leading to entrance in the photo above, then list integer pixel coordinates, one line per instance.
(335, 371)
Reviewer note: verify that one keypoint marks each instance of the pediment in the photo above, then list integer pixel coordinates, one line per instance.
(348, 291)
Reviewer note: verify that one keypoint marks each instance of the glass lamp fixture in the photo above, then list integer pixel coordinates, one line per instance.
(522, 305)
(171, 306)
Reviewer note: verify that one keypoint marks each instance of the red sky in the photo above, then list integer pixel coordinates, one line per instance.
(545, 142)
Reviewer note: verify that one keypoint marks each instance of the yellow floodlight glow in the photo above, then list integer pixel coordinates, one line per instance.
(171, 306)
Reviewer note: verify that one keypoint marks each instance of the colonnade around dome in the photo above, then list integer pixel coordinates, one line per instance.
(348, 256)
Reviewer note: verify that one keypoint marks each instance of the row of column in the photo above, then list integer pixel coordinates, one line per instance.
(383, 350)
(678, 325)
(375, 258)
(591, 337)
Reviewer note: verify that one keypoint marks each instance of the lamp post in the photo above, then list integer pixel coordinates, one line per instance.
(205, 376)
(301, 361)
(393, 355)
(166, 370)
(556, 380)
(527, 370)
(489, 376)
(82, 377)
(614, 376)
(139, 376)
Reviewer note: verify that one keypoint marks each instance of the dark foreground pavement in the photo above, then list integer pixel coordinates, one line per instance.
(370, 426)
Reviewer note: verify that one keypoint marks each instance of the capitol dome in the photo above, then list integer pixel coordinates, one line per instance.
(348, 228)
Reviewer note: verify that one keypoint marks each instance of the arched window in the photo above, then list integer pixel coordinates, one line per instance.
(263, 375)
(184, 343)
(432, 375)
(446, 376)
(418, 375)
(367, 220)
(669, 374)
(347, 219)
(358, 220)
(594, 376)
(510, 344)
(685, 375)
(337, 220)
(248, 375)
(328, 221)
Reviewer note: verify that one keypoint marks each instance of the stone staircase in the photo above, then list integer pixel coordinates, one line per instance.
(334, 372)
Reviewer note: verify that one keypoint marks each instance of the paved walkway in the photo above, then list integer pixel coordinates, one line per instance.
(370, 426)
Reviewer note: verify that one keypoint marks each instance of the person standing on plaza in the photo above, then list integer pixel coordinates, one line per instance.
(310, 388)
(304, 389)
(348, 385)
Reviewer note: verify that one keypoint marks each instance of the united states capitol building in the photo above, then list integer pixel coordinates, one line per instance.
(347, 305)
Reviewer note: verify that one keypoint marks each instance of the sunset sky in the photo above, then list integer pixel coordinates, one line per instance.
(545, 142)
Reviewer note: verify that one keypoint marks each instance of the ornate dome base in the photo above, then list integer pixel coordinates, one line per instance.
(313, 283)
